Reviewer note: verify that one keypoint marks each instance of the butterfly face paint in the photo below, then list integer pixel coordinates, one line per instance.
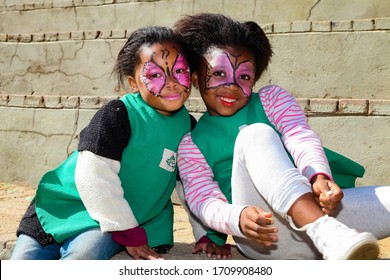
(225, 69)
(163, 68)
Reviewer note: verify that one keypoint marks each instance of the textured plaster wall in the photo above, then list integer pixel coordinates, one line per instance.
(56, 59)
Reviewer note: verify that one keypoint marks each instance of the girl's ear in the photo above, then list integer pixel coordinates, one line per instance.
(132, 84)
(195, 79)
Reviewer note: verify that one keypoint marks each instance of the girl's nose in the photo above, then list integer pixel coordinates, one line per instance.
(171, 82)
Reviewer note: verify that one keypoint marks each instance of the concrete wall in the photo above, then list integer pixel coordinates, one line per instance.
(56, 58)
(24, 16)
(38, 133)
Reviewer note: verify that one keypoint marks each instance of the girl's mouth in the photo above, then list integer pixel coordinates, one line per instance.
(227, 101)
(172, 97)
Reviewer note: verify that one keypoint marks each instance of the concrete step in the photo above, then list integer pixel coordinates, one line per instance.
(350, 59)
(17, 16)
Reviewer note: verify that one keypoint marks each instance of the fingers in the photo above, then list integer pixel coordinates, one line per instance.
(264, 235)
(211, 249)
(257, 225)
(143, 253)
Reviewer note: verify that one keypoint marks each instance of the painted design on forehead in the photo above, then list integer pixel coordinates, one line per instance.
(155, 75)
(225, 70)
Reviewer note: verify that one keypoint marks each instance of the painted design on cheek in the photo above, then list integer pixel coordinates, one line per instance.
(155, 77)
(181, 71)
(226, 71)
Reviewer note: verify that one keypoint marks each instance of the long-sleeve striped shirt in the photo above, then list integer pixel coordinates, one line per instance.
(202, 193)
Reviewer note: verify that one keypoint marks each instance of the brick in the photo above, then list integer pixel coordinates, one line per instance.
(62, 4)
(105, 34)
(323, 106)
(63, 36)
(89, 102)
(268, 28)
(70, 101)
(33, 101)
(77, 35)
(118, 34)
(16, 100)
(342, 25)
(38, 37)
(363, 25)
(28, 6)
(353, 106)
(105, 99)
(91, 34)
(382, 23)
(379, 107)
(301, 26)
(52, 101)
(3, 37)
(304, 103)
(4, 99)
(13, 37)
(321, 26)
(282, 27)
(51, 36)
(25, 38)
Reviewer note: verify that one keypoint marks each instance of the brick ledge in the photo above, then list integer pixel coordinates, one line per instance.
(311, 106)
(366, 25)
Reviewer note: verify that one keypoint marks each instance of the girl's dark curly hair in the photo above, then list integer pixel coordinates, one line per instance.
(129, 55)
(205, 30)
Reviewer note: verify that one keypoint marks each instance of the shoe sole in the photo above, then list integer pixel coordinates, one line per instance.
(366, 251)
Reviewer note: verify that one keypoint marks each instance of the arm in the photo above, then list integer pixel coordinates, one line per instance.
(100, 189)
(302, 143)
(100, 151)
(208, 203)
(202, 193)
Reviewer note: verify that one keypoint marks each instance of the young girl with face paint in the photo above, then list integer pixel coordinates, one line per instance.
(252, 167)
(114, 192)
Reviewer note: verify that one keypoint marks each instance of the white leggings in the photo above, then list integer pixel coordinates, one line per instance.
(264, 176)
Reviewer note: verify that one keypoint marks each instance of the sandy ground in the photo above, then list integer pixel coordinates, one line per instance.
(14, 199)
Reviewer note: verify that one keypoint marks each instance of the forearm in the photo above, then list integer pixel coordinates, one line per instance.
(100, 189)
(303, 144)
(203, 195)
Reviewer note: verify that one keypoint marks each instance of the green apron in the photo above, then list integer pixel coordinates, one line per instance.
(148, 175)
(215, 137)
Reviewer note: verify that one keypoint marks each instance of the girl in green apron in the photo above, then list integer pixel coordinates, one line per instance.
(113, 193)
(252, 167)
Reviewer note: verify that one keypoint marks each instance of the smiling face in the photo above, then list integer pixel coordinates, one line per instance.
(162, 77)
(225, 78)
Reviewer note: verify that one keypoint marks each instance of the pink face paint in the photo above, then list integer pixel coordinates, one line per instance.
(224, 70)
(155, 75)
(181, 71)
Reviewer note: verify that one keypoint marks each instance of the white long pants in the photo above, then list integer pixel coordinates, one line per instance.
(264, 176)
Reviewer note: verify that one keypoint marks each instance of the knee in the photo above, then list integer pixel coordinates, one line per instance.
(257, 133)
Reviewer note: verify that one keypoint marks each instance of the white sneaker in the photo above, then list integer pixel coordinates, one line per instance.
(338, 242)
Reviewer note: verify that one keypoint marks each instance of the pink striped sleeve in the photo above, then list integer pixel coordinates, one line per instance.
(203, 195)
(303, 144)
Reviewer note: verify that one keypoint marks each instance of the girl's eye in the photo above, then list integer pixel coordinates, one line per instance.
(219, 74)
(154, 76)
(244, 77)
(180, 71)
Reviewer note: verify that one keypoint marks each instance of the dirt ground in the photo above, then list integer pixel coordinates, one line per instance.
(14, 199)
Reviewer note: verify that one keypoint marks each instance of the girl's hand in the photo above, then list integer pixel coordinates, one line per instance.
(143, 252)
(257, 224)
(209, 248)
(327, 194)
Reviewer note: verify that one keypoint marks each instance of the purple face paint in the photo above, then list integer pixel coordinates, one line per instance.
(224, 70)
(181, 71)
(155, 75)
